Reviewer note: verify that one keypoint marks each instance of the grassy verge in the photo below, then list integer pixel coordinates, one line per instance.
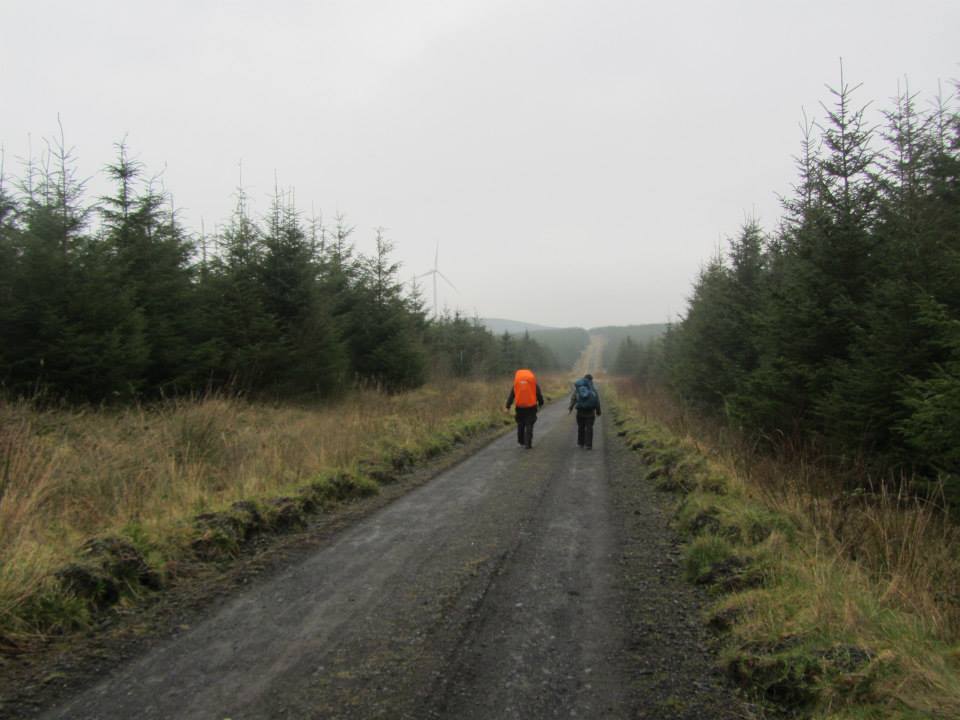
(828, 604)
(100, 507)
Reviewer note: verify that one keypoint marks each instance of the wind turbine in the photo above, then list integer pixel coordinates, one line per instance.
(436, 273)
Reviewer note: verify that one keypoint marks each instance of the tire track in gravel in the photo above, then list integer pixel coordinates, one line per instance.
(550, 636)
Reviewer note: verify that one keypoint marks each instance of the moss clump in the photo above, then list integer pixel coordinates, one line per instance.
(400, 458)
(122, 561)
(797, 674)
(107, 569)
(339, 486)
(217, 535)
(286, 513)
(714, 484)
(89, 584)
(54, 608)
(706, 553)
(382, 472)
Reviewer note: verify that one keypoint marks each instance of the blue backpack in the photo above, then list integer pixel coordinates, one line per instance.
(587, 398)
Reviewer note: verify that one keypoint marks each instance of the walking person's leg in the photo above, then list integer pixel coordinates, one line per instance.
(581, 428)
(588, 432)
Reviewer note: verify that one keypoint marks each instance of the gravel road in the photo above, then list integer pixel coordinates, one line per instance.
(517, 584)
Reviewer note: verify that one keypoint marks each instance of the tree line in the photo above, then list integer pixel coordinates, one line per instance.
(633, 346)
(842, 326)
(115, 300)
(464, 347)
(565, 344)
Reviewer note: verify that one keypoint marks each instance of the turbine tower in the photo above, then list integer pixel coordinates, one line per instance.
(436, 273)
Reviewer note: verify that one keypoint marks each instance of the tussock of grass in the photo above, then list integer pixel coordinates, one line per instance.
(705, 553)
(834, 604)
(192, 480)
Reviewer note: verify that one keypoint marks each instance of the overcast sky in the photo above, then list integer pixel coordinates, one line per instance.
(575, 161)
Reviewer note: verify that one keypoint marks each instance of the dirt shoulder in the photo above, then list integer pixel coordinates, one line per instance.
(675, 674)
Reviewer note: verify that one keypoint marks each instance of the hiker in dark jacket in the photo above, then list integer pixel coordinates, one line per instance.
(526, 393)
(587, 401)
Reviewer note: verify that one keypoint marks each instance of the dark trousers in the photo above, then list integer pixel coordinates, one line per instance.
(526, 417)
(585, 430)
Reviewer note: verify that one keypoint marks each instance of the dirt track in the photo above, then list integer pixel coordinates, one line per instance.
(518, 584)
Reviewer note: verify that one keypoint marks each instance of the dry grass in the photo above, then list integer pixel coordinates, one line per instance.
(874, 567)
(68, 475)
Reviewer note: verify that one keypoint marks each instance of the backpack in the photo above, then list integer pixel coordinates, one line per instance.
(525, 389)
(587, 398)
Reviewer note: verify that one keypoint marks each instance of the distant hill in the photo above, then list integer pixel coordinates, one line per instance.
(498, 326)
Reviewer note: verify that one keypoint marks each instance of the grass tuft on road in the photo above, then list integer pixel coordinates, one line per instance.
(830, 604)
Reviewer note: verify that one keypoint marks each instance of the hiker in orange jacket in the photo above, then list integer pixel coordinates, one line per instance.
(528, 398)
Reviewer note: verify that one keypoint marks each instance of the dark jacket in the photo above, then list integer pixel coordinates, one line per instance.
(539, 398)
(587, 413)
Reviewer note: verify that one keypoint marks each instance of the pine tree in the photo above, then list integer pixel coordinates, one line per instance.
(932, 392)
(154, 254)
(716, 344)
(533, 355)
(384, 347)
(339, 272)
(628, 358)
(703, 370)
(75, 329)
(862, 406)
(507, 357)
(840, 251)
(931, 429)
(9, 264)
(242, 328)
(459, 347)
(819, 272)
(306, 355)
(775, 394)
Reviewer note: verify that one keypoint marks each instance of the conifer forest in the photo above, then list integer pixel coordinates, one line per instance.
(840, 329)
(112, 300)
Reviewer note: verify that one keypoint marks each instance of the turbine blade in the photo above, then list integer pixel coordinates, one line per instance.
(447, 280)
